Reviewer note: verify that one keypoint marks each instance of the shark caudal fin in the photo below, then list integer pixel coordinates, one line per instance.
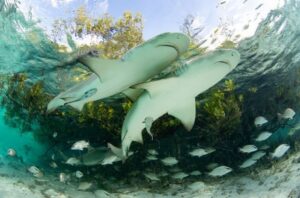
(117, 151)
(103, 68)
(127, 139)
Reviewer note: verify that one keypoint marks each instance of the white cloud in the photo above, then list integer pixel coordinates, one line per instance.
(101, 7)
(56, 3)
(104, 6)
(198, 22)
(98, 8)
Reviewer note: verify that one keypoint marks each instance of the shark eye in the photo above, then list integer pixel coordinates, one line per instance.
(89, 93)
(94, 53)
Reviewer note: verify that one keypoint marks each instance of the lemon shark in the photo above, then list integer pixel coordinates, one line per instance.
(176, 95)
(115, 76)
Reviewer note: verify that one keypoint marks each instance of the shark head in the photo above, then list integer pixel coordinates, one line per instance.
(228, 57)
(166, 46)
(218, 63)
(77, 95)
(177, 41)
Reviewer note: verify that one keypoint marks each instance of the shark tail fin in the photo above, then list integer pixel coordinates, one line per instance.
(117, 151)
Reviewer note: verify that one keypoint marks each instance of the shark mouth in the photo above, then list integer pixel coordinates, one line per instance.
(176, 48)
(225, 62)
(86, 94)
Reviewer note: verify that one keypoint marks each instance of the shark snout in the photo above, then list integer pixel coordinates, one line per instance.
(182, 42)
(235, 58)
(230, 57)
(178, 41)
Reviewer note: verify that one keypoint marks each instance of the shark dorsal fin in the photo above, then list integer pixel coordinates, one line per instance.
(158, 86)
(185, 112)
(103, 68)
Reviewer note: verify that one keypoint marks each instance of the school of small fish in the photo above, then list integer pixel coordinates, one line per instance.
(173, 171)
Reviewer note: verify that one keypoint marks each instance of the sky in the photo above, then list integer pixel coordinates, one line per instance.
(163, 15)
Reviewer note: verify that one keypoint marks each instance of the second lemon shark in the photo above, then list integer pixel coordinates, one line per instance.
(175, 95)
(114, 76)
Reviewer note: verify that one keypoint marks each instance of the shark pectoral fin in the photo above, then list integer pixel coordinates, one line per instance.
(157, 87)
(186, 113)
(77, 105)
(104, 68)
(133, 94)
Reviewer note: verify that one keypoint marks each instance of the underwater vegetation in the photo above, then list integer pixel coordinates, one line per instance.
(219, 117)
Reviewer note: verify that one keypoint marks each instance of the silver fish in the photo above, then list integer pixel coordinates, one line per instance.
(201, 152)
(258, 155)
(80, 145)
(287, 114)
(280, 151)
(248, 148)
(180, 175)
(249, 162)
(11, 152)
(263, 136)
(152, 176)
(35, 171)
(84, 186)
(73, 161)
(195, 173)
(259, 121)
(78, 174)
(169, 161)
(220, 171)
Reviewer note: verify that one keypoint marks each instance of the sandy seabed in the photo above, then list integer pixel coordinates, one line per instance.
(279, 180)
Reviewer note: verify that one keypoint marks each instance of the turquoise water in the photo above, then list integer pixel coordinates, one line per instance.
(25, 145)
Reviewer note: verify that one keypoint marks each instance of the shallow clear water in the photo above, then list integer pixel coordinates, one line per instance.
(33, 70)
